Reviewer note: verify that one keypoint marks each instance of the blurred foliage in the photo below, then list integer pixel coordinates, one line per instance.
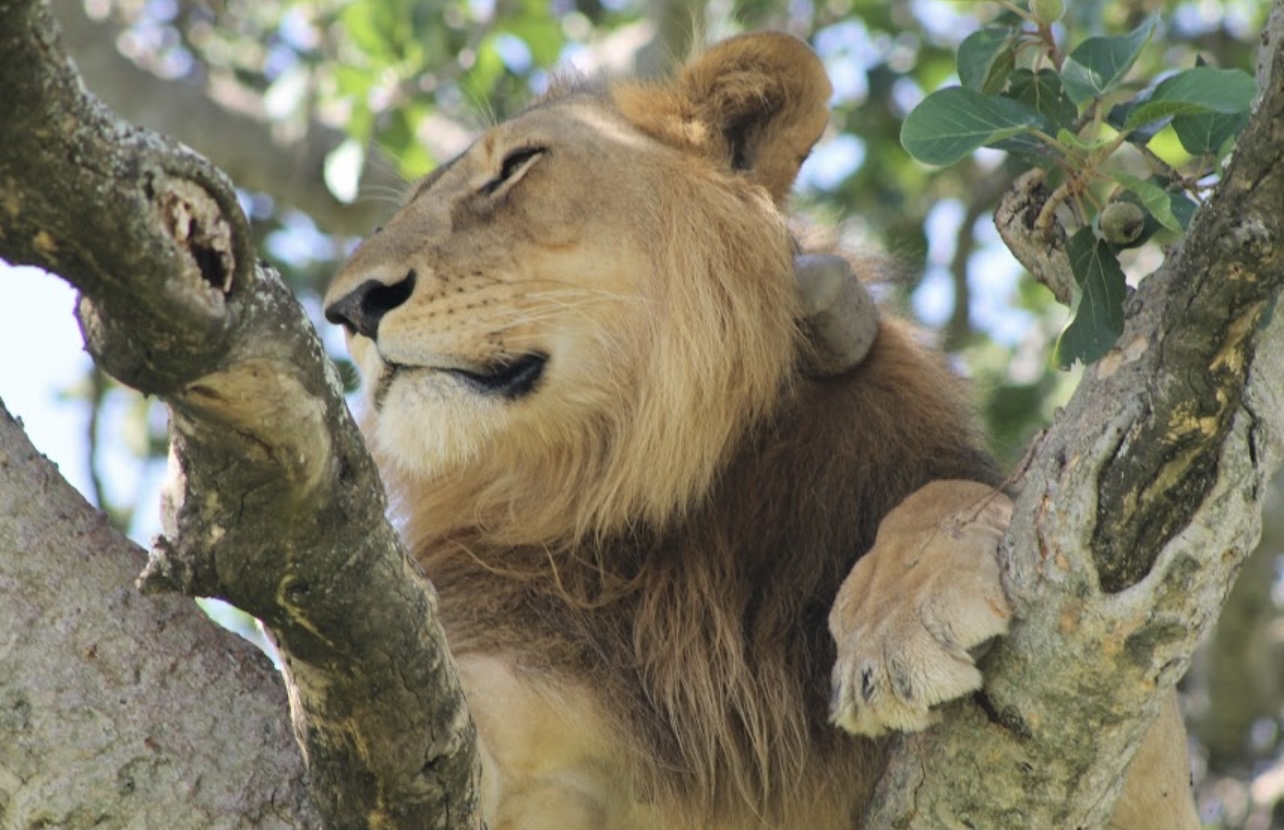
(415, 78)
(1072, 115)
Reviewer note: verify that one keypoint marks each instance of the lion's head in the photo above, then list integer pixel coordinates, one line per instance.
(567, 329)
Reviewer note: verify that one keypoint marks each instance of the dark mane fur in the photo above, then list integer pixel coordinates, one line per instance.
(709, 639)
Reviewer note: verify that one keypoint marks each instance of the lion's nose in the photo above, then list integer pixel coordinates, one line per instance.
(360, 311)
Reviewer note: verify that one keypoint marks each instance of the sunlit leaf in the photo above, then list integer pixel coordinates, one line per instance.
(950, 123)
(1043, 93)
(1097, 317)
(1198, 91)
(371, 26)
(1098, 65)
(354, 80)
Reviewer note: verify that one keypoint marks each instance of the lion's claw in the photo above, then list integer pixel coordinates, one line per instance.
(911, 609)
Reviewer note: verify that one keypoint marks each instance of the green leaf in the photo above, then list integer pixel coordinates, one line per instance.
(950, 123)
(348, 373)
(1097, 317)
(1043, 93)
(1197, 91)
(1029, 149)
(1098, 65)
(398, 137)
(1183, 208)
(361, 121)
(1154, 198)
(354, 81)
(1118, 118)
(1208, 133)
(486, 70)
(985, 58)
(371, 26)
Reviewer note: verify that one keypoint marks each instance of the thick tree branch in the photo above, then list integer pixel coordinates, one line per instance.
(276, 505)
(1139, 506)
(151, 201)
(98, 730)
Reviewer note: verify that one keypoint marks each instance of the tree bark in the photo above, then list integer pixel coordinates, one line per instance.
(275, 505)
(1136, 510)
(118, 710)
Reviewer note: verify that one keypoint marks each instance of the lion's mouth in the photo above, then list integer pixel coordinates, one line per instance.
(511, 378)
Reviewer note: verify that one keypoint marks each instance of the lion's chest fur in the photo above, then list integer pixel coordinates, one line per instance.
(693, 692)
(547, 757)
(552, 760)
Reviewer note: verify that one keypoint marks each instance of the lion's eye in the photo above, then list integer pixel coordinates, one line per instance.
(514, 163)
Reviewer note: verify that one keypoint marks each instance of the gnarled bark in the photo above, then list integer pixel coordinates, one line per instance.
(276, 506)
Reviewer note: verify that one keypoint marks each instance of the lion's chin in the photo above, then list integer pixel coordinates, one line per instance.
(429, 424)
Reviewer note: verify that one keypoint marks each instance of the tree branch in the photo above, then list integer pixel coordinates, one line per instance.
(275, 504)
(71, 657)
(1043, 255)
(1139, 506)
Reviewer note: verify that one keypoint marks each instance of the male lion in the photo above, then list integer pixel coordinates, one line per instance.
(639, 486)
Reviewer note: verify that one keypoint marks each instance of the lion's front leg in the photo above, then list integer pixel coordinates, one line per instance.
(927, 592)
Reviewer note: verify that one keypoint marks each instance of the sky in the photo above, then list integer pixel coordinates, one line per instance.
(42, 362)
(40, 357)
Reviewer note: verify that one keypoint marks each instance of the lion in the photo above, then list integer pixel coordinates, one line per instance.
(661, 500)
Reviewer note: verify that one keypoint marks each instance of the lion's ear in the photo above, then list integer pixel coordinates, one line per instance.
(764, 100)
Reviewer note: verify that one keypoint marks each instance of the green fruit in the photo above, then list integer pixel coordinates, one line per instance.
(1047, 12)
(1122, 223)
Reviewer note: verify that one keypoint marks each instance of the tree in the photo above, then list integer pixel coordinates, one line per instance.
(276, 507)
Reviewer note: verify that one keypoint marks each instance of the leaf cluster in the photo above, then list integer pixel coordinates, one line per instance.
(1083, 117)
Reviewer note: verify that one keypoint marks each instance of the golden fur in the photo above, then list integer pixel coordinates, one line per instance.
(636, 553)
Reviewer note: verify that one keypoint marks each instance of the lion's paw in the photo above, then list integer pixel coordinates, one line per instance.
(905, 618)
